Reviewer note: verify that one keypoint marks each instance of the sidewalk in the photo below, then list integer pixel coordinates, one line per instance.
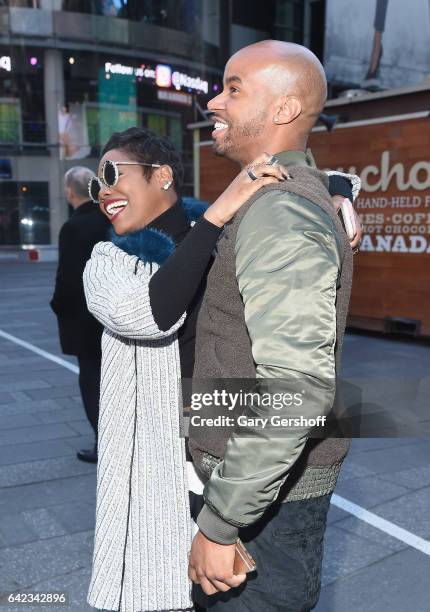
(47, 499)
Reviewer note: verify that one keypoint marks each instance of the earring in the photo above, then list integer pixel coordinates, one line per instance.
(166, 186)
(276, 119)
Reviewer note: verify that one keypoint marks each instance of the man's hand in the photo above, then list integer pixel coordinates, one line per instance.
(356, 239)
(211, 565)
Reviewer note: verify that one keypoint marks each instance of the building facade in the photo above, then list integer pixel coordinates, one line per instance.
(74, 71)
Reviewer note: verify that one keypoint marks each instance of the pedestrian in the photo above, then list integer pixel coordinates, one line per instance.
(274, 310)
(80, 333)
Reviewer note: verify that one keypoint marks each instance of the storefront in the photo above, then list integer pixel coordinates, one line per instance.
(59, 107)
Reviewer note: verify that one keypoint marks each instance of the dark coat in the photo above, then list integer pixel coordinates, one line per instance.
(80, 333)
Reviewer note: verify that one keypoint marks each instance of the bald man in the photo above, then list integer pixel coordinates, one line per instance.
(274, 310)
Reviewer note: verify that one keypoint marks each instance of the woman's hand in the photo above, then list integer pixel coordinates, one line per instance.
(243, 187)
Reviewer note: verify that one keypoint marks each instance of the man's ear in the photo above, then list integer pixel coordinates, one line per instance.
(289, 109)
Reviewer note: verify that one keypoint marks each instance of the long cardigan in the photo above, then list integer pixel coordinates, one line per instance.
(143, 531)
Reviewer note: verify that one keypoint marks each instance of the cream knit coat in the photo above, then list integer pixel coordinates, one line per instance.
(143, 532)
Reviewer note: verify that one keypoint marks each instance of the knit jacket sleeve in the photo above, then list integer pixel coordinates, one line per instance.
(117, 292)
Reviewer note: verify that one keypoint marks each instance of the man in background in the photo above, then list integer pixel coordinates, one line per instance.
(80, 333)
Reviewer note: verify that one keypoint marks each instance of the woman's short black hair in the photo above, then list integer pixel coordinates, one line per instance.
(143, 145)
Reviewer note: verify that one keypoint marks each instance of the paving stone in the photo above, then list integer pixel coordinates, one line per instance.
(49, 392)
(69, 402)
(336, 514)
(62, 378)
(19, 420)
(19, 375)
(28, 363)
(75, 517)
(30, 526)
(5, 397)
(363, 445)
(410, 512)
(36, 433)
(47, 494)
(24, 385)
(34, 450)
(27, 407)
(44, 523)
(415, 478)
(399, 583)
(81, 427)
(361, 529)
(351, 470)
(20, 396)
(369, 491)
(66, 415)
(14, 530)
(45, 559)
(81, 442)
(395, 459)
(345, 553)
(47, 469)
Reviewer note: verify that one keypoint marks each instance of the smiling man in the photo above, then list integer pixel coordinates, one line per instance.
(274, 309)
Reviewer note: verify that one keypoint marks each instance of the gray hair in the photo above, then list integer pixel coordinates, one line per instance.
(77, 179)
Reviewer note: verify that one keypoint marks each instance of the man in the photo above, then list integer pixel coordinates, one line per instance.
(274, 309)
(80, 333)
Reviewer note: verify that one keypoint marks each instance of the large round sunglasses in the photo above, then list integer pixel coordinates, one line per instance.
(110, 176)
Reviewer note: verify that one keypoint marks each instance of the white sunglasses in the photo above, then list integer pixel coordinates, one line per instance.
(110, 176)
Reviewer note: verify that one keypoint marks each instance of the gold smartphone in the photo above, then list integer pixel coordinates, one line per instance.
(243, 560)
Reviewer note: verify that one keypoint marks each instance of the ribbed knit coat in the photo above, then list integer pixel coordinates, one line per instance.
(143, 532)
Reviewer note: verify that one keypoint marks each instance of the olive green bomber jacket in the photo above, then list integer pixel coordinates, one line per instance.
(287, 269)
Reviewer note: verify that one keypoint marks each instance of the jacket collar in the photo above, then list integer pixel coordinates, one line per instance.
(296, 158)
(85, 207)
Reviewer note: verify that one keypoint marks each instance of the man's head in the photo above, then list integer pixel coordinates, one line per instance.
(273, 94)
(76, 182)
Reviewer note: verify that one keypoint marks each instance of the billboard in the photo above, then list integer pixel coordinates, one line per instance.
(391, 272)
(377, 44)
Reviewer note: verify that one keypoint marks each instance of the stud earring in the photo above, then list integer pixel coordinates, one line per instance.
(276, 119)
(166, 186)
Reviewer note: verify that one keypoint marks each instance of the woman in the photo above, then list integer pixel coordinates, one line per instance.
(146, 287)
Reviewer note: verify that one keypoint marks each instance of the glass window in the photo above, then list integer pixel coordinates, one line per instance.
(24, 213)
(289, 20)
(22, 96)
(184, 15)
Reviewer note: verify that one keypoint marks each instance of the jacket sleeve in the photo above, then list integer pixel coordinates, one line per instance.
(68, 293)
(339, 179)
(117, 292)
(287, 265)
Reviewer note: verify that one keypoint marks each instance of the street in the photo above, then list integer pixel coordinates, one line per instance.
(47, 501)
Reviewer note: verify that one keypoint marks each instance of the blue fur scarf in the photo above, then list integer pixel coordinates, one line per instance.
(153, 245)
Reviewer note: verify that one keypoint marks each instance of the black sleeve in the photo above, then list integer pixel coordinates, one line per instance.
(174, 285)
(339, 185)
(68, 282)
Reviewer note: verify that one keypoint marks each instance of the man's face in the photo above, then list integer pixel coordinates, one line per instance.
(242, 112)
